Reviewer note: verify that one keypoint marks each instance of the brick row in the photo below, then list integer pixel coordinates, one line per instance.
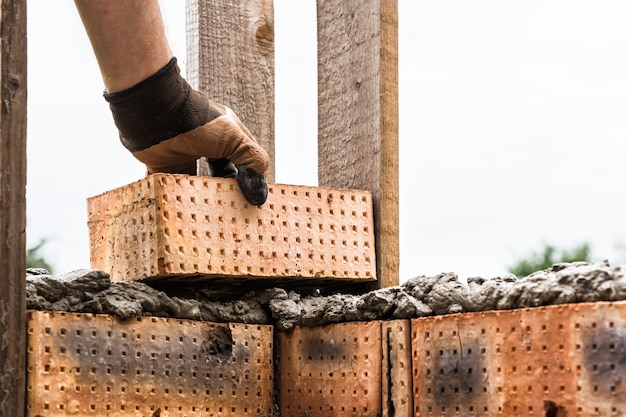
(566, 360)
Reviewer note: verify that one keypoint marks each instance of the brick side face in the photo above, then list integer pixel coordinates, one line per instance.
(96, 365)
(177, 225)
(565, 360)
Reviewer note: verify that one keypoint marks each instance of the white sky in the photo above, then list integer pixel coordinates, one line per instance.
(512, 128)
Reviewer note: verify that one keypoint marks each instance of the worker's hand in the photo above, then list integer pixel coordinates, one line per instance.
(167, 125)
(223, 137)
(221, 140)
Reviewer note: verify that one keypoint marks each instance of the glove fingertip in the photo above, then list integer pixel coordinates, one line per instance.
(252, 184)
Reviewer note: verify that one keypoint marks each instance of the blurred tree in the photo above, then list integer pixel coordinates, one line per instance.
(34, 259)
(547, 257)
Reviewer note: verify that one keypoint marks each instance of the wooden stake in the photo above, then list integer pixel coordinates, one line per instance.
(230, 54)
(358, 112)
(12, 207)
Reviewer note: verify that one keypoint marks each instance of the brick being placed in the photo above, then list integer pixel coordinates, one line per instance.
(565, 360)
(202, 228)
(95, 365)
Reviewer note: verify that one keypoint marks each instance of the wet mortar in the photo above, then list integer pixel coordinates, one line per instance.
(91, 291)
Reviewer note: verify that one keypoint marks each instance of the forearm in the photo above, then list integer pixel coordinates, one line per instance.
(128, 38)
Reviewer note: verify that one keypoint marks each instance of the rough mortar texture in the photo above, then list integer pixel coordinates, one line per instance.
(91, 291)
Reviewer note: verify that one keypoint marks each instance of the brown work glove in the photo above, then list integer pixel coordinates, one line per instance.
(168, 125)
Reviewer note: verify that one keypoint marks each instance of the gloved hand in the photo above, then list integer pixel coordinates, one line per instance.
(168, 125)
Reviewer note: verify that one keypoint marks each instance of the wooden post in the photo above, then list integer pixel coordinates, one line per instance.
(230, 54)
(12, 207)
(358, 112)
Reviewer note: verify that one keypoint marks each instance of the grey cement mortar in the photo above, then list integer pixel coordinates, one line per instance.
(91, 291)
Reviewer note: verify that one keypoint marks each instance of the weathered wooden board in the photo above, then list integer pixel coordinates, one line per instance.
(12, 206)
(230, 54)
(358, 112)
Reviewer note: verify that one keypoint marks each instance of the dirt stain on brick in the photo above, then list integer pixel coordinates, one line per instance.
(553, 409)
(604, 358)
(456, 375)
(217, 343)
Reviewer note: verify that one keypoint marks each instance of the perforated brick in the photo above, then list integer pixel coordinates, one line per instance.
(96, 365)
(333, 370)
(202, 227)
(566, 360)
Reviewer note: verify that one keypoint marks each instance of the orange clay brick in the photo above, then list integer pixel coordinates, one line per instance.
(565, 360)
(346, 369)
(330, 371)
(202, 227)
(98, 365)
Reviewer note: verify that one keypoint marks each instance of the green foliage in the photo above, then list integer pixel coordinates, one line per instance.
(34, 259)
(549, 256)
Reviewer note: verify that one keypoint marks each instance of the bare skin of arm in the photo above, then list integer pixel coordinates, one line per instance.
(128, 39)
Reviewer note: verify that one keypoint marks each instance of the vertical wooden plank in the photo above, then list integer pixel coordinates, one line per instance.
(358, 112)
(12, 207)
(230, 54)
